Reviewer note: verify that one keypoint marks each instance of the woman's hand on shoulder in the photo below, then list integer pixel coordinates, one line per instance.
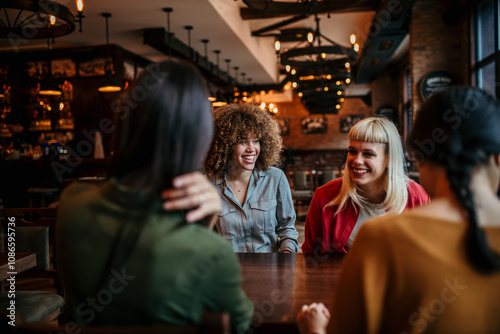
(313, 319)
(192, 191)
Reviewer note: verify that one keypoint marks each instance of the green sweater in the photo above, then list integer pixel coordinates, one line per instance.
(174, 273)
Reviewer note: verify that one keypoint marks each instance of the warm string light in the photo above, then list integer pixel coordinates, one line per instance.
(79, 5)
(320, 57)
(310, 37)
(277, 45)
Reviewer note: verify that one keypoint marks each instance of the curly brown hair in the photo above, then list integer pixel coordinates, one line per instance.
(233, 124)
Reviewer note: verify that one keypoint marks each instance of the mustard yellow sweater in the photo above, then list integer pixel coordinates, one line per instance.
(410, 274)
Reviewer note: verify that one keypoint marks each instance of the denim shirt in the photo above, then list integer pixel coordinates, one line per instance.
(266, 221)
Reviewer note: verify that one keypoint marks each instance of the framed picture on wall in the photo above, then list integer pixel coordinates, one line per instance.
(348, 121)
(63, 68)
(312, 125)
(284, 124)
(95, 67)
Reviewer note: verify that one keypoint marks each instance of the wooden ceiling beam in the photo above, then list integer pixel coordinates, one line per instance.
(252, 14)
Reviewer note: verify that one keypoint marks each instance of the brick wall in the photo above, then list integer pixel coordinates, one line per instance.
(333, 139)
(434, 45)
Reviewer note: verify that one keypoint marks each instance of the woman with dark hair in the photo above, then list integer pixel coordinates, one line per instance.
(123, 259)
(257, 209)
(436, 268)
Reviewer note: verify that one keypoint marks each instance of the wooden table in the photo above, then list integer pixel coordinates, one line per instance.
(23, 262)
(279, 284)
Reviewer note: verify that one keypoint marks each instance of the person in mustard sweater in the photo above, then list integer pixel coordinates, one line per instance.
(436, 268)
(124, 260)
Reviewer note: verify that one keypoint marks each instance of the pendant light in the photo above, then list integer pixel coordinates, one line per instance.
(110, 83)
(49, 87)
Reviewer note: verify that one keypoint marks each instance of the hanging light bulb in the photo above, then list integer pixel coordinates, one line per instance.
(79, 8)
(294, 84)
(347, 65)
(310, 37)
(277, 45)
(356, 47)
(353, 38)
(347, 81)
(79, 5)
(300, 94)
(52, 19)
(294, 71)
(287, 68)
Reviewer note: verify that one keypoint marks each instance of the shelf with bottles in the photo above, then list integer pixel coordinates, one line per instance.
(52, 112)
(5, 99)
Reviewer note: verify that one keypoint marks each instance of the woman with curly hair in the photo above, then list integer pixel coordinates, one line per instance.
(257, 209)
(374, 183)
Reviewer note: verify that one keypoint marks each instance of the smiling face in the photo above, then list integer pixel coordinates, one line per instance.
(367, 163)
(245, 153)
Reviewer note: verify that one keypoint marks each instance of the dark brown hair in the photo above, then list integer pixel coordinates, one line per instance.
(233, 123)
(458, 129)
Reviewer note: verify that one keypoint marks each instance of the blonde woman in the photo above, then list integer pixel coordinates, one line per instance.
(434, 269)
(374, 183)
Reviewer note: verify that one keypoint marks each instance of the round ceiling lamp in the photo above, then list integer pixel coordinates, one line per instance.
(318, 56)
(110, 84)
(319, 72)
(32, 19)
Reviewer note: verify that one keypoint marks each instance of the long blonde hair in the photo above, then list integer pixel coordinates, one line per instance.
(378, 130)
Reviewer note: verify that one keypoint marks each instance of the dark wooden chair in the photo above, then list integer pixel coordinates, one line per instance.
(302, 188)
(211, 323)
(35, 233)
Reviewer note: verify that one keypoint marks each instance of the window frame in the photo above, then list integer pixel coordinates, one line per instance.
(492, 58)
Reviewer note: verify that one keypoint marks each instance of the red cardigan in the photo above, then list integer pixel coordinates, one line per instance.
(327, 233)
